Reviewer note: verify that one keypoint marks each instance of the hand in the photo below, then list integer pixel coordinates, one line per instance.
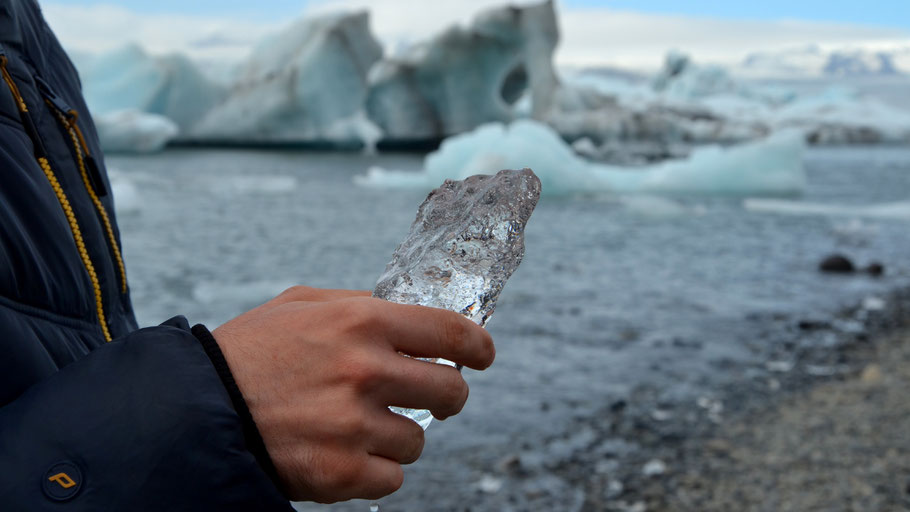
(318, 370)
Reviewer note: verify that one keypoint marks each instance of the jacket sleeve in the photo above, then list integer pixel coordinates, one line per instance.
(142, 423)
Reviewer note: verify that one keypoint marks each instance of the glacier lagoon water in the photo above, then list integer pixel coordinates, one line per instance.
(614, 293)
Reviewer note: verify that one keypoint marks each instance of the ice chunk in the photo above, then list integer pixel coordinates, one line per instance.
(772, 166)
(468, 76)
(467, 240)
(130, 79)
(132, 131)
(306, 84)
(465, 243)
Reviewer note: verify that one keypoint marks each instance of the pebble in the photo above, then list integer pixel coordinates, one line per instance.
(837, 263)
(871, 374)
(875, 269)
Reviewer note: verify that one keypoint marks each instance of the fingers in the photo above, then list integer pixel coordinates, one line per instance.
(395, 437)
(382, 477)
(416, 384)
(364, 476)
(435, 333)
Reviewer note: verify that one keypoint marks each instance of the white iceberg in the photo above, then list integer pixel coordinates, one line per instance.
(130, 79)
(132, 131)
(468, 76)
(773, 166)
(305, 85)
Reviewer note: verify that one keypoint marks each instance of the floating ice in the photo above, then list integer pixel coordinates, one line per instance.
(772, 166)
(898, 210)
(126, 195)
(132, 131)
(468, 76)
(306, 84)
(467, 240)
(255, 183)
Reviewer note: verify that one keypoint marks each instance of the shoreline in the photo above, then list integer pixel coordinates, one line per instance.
(831, 432)
(645, 454)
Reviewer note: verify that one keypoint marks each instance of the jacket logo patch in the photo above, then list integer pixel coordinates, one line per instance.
(63, 479)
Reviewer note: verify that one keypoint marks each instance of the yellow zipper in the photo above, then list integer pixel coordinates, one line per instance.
(81, 149)
(65, 205)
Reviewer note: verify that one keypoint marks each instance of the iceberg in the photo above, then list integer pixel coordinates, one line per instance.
(839, 115)
(771, 166)
(306, 84)
(684, 105)
(465, 77)
(129, 79)
(132, 131)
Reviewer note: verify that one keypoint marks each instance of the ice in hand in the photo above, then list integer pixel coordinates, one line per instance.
(467, 240)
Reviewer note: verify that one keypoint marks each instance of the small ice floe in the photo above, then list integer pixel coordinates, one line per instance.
(850, 326)
(133, 131)
(820, 370)
(661, 415)
(899, 210)
(779, 366)
(873, 303)
(713, 407)
(126, 195)
(489, 484)
(654, 467)
(614, 489)
(254, 184)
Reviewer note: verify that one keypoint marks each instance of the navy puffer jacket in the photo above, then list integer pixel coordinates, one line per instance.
(95, 414)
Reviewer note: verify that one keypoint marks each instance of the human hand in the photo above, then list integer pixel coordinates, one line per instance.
(319, 369)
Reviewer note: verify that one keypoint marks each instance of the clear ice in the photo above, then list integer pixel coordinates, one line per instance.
(467, 240)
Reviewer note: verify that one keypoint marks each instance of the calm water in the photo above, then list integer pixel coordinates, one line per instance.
(613, 292)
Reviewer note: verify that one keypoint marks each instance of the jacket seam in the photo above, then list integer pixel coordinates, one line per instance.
(46, 315)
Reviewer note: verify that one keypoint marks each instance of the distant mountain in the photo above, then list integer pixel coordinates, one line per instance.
(813, 61)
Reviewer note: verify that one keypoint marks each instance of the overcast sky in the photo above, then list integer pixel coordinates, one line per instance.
(628, 33)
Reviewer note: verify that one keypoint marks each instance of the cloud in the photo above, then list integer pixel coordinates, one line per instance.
(96, 28)
(637, 40)
(590, 35)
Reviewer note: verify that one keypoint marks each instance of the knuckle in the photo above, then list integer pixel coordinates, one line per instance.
(395, 480)
(489, 348)
(361, 317)
(352, 426)
(415, 447)
(456, 333)
(361, 371)
(298, 291)
(347, 476)
(455, 393)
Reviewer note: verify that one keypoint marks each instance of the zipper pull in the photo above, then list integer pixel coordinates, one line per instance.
(94, 175)
(68, 112)
(59, 103)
